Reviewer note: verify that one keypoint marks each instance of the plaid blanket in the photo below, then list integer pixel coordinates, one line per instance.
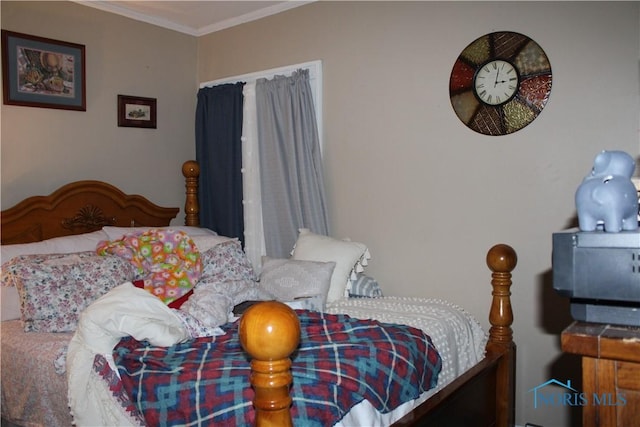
(340, 362)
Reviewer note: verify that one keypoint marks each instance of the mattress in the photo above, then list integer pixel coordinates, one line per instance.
(34, 384)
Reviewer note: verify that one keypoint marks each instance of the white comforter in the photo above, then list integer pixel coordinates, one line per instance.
(124, 311)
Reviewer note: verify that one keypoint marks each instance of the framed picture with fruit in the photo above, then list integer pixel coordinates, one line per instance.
(42, 72)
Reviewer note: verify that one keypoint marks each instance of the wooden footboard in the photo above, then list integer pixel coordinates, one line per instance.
(485, 394)
(482, 396)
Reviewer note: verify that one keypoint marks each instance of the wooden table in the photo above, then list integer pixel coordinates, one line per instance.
(610, 372)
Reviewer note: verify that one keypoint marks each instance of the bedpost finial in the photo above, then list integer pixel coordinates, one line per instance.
(190, 169)
(269, 330)
(502, 258)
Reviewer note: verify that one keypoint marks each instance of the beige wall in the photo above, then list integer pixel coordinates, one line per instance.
(428, 195)
(404, 175)
(44, 148)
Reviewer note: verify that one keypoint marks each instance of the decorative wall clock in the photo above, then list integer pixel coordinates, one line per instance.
(500, 83)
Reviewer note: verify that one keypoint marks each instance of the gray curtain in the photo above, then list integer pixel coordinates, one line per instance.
(293, 194)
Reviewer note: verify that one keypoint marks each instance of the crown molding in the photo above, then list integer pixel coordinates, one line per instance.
(253, 16)
(216, 26)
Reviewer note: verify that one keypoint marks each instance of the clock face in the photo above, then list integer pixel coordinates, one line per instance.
(496, 82)
(500, 83)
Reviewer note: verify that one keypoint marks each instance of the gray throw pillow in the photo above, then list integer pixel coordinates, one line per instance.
(288, 279)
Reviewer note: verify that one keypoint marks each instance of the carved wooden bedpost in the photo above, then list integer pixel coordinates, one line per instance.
(502, 259)
(270, 332)
(191, 172)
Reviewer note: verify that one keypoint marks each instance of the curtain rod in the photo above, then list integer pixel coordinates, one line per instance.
(314, 68)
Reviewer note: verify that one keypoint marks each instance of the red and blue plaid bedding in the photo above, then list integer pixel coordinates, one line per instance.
(340, 362)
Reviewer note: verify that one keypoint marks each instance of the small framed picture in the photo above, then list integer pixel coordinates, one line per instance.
(41, 72)
(136, 112)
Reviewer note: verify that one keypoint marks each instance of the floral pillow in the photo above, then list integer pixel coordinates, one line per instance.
(54, 289)
(227, 279)
(226, 262)
(9, 297)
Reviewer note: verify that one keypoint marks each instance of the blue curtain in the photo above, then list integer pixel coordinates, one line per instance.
(219, 154)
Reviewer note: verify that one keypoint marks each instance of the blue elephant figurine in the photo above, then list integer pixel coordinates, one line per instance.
(607, 196)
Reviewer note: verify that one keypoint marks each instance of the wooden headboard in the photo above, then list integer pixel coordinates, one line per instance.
(85, 206)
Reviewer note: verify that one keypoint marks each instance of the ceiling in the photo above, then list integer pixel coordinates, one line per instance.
(196, 18)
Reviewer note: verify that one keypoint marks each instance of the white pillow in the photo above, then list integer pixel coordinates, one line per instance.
(350, 257)
(288, 279)
(116, 233)
(57, 245)
(204, 243)
(9, 298)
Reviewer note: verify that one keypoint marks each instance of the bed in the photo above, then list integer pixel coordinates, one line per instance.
(471, 386)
